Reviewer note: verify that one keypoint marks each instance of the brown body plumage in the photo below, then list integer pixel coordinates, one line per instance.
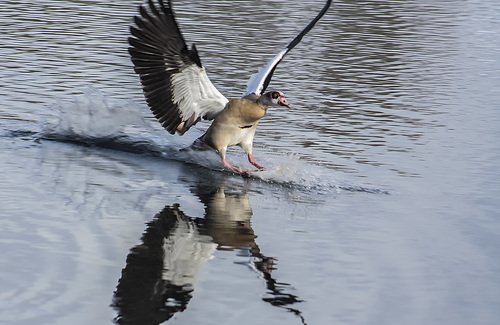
(235, 126)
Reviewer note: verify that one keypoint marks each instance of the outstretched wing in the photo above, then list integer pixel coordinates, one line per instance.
(174, 82)
(258, 82)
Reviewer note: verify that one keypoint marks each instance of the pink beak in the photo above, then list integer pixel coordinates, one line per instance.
(283, 102)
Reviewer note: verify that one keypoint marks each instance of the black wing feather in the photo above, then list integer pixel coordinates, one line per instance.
(158, 51)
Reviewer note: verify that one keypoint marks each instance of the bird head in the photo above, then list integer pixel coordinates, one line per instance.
(274, 98)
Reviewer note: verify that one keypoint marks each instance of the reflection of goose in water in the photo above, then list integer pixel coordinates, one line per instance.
(160, 274)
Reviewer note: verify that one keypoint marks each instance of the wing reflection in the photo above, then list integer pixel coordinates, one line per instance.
(151, 290)
(160, 273)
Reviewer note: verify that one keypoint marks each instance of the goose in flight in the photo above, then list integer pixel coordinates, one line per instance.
(179, 92)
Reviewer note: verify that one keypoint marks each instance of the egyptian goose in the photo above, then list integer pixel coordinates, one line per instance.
(179, 93)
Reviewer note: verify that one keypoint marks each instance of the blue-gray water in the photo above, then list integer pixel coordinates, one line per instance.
(381, 200)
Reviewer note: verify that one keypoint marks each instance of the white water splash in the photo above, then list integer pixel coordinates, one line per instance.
(93, 115)
(97, 120)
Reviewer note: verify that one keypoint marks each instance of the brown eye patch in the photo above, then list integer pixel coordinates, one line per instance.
(275, 94)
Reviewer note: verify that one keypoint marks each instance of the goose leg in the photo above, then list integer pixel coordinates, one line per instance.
(252, 160)
(247, 147)
(232, 167)
(228, 164)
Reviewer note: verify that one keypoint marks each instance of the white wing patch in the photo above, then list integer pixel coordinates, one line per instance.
(195, 94)
(255, 84)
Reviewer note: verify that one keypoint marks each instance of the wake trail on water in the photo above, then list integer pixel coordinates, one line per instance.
(93, 119)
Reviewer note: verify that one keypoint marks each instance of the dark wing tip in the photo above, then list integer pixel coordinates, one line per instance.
(313, 22)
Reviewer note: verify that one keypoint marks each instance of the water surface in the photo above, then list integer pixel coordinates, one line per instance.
(379, 206)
